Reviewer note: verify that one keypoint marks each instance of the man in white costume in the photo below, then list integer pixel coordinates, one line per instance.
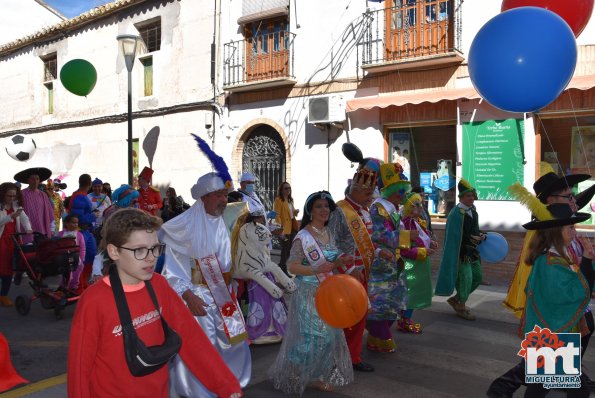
(248, 195)
(197, 266)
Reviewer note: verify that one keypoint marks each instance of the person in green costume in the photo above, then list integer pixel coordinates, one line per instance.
(559, 286)
(418, 270)
(460, 266)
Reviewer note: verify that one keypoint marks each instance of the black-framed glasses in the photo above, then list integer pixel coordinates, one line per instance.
(567, 197)
(141, 253)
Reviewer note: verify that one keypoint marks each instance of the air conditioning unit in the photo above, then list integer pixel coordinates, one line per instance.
(326, 109)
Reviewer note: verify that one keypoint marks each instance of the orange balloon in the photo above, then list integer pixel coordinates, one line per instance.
(341, 301)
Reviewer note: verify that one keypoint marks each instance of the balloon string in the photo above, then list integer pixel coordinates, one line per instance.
(582, 144)
(547, 136)
(578, 128)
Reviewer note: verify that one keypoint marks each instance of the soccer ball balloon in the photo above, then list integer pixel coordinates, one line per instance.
(21, 147)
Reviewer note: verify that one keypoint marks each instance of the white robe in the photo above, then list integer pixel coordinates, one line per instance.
(193, 235)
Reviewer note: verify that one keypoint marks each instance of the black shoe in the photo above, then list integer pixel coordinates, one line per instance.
(18, 277)
(363, 367)
(587, 381)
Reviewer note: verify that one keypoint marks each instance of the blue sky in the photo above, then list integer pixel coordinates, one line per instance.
(72, 8)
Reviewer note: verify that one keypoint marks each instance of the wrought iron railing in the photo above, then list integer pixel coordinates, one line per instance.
(258, 58)
(413, 29)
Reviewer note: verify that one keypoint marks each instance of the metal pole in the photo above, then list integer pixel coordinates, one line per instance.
(130, 179)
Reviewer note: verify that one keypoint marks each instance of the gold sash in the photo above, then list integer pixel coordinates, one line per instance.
(360, 234)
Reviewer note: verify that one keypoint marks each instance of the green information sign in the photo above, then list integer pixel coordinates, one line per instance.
(493, 156)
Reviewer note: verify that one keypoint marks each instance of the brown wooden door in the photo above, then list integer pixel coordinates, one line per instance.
(416, 28)
(267, 54)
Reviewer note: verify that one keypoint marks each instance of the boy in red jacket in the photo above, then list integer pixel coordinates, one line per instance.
(97, 364)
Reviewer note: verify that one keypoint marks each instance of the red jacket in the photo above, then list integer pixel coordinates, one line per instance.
(149, 200)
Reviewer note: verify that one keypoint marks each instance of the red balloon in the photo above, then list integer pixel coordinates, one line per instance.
(576, 13)
(341, 301)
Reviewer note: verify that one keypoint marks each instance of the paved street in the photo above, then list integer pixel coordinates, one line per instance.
(452, 358)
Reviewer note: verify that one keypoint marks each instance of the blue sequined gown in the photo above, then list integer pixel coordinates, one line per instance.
(312, 351)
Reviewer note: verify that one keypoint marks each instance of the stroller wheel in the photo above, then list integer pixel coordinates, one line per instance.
(58, 313)
(22, 304)
(47, 302)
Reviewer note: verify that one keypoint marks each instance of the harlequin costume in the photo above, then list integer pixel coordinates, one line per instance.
(351, 226)
(418, 270)
(149, 198)
(198, 259)
(387, 289)
(460, 265)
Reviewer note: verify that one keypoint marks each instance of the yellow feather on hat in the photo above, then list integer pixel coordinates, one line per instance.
(544, 168)
(465, 183)
(530, 201)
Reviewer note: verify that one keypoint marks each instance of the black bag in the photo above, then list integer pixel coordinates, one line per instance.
(142, 360)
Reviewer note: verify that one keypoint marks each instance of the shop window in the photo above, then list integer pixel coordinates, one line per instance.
(568, 147)
(568, 144)
(426, 154)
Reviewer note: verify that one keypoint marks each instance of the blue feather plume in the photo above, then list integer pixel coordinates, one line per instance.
(216, 160)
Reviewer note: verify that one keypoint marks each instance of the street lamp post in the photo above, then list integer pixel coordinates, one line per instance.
(127, 44)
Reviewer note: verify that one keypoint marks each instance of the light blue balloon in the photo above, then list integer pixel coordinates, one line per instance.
(494, 249)
(522, 59)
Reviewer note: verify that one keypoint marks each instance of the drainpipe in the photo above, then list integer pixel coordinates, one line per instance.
(213, 73)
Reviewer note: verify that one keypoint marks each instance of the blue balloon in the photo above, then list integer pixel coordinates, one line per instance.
(494, 249)
(522, 59)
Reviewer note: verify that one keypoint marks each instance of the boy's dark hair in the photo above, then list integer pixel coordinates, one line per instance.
(85, 180)
(122, 223)
(69, 218)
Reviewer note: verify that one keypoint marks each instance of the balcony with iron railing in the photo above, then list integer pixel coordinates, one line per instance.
(415, 34)
(261, 61)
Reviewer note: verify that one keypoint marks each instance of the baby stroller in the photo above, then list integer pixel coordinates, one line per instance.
(42, 259)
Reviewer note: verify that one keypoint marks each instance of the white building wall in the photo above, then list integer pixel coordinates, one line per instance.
(323, 52)
(14, 26)
(317, 47)
(181, 74)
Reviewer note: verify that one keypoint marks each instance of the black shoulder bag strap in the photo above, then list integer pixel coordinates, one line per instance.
(121, 303)
(142, 360)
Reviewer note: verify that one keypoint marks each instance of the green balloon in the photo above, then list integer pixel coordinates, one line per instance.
(78, 76)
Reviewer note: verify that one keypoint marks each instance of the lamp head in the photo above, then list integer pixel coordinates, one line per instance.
(128, 44)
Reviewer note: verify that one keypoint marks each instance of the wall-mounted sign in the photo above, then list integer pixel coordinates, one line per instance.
(493, 156)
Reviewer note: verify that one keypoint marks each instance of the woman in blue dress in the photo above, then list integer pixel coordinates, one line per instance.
(313, 354)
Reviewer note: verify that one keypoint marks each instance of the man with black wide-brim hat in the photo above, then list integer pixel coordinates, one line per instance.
(35, 202)
(559, 299)
(550, 189)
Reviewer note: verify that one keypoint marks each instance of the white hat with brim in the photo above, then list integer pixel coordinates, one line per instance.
(247, 176)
